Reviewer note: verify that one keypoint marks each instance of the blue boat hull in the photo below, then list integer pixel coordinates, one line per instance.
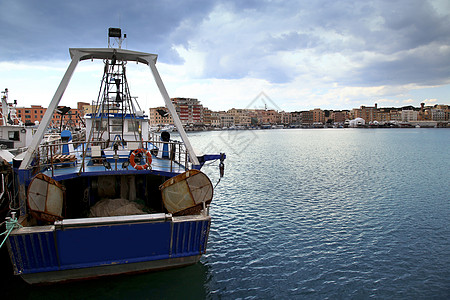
(92, 247)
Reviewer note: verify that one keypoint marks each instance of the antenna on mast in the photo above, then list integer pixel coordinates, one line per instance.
(4, 107)
(115, 37)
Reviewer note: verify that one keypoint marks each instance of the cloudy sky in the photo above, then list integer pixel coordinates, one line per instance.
(332, 54)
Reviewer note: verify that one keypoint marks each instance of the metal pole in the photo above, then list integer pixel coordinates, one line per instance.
(51, 158)
(173, 112)
(49, 112)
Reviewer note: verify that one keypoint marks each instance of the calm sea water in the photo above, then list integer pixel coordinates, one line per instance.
(314, 214)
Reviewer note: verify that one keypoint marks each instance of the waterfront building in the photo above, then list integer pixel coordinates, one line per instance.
(226, 120)
(35, 113)
(215, 119)
(189, 110)
(80, 107)
(296, 118)
(270, 116)
(340, 116)
(409, 115)
(256, 116)
(395, 115)
(286, 118)
(307, 117)
(384, 114)
(29, 115)
(318, 116)
(241, 117)
(264, 116)
(368, 113)
(446, 111)
(438, 115)
(207, 113)
(160, 116)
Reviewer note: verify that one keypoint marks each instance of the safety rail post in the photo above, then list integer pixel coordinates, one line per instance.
(170, 156)
(82, 148)
(185, 160)
(179, 153)
(51, 159)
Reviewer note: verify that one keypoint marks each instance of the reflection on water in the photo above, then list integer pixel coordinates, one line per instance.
(180, 283)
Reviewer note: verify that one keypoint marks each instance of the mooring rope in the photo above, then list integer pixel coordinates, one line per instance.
(11, 223)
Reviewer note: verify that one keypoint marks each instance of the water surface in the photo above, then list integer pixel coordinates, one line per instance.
(314, 214)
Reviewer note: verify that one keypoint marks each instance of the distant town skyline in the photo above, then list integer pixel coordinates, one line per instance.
(192, 113)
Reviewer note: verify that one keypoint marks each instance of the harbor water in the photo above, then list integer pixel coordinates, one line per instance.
(309, 214)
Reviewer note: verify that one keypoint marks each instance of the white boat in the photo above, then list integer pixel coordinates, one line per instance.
(168, 128)
(15, 137)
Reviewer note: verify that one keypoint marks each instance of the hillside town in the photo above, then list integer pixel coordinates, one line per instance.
(194, 116)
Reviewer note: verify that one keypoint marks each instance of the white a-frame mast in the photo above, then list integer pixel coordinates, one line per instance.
(79, 54)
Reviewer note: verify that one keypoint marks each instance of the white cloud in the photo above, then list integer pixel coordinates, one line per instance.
(430, 101)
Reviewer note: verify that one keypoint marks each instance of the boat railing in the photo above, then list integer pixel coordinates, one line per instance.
(166, 156)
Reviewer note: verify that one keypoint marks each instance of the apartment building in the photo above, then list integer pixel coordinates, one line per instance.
(286, 118)
(160, 116)
(340, 116)
(226, 120)
(368, 113)
(189, 110)
(308, 117)
(214, 119)
(68, 117)
(296, 117)
(318, 116)
(241, 117)
(409, 115)
(438, 115)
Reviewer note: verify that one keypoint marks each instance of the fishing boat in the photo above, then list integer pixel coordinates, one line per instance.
(15, 136)
(116, 203)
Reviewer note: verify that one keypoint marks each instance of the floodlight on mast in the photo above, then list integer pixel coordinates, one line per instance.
(115, 37)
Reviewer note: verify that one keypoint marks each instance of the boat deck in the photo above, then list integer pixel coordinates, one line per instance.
(70, 169)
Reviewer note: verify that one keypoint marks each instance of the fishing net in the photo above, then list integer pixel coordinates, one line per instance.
(116, 207)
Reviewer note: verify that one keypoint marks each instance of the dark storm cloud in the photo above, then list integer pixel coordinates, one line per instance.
(389, 42)
(424, 67)
(45, 29)
(378, 36)
(407, 25)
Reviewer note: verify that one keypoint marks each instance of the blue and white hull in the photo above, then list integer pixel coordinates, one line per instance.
(75, 249)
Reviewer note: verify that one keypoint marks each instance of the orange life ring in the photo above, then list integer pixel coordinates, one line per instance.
(148, 156)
